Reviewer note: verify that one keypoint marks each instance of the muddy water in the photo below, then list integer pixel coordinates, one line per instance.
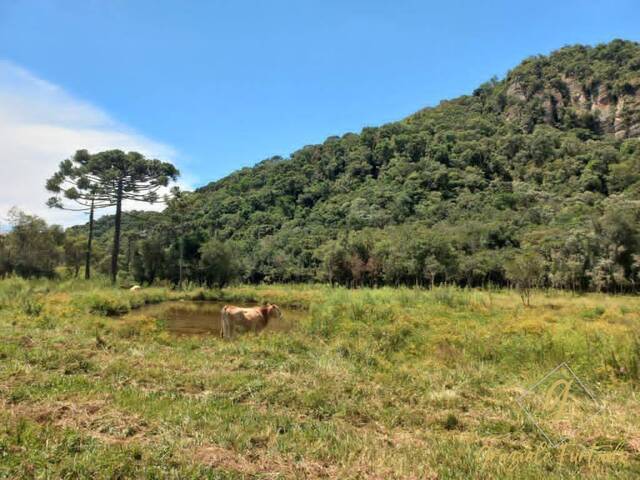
(202, 317)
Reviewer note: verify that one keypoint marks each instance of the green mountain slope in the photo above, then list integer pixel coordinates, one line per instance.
(545, 161)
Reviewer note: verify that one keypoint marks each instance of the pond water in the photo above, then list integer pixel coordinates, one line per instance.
(203, 317)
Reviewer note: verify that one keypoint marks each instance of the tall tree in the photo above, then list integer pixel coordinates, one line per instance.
(179, 206)
(526, 271)
(127, 176)
(73, 182)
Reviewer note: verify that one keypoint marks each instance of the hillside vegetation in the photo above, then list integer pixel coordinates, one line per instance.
(541, 167)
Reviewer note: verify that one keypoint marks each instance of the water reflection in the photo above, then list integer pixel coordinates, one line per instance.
(203, 318)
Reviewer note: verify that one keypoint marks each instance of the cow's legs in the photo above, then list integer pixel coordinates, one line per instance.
(225, 326)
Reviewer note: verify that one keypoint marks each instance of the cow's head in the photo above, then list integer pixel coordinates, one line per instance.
(270, 311)
(273, 311)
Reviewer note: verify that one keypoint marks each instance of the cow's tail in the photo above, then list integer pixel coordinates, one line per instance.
(225, 323)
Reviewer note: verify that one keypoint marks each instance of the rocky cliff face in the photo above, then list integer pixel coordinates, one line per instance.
(597, 88)
(617, 114)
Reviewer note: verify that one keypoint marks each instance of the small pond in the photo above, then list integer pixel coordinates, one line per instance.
(203, 317)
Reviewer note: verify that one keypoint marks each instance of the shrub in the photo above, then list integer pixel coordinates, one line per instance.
(450, 296)
(451, 422)
(31, 307)
(593, 313)
(108, 304)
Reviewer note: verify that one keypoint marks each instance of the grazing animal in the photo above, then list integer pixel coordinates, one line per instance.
(135, 288)
(254, 318)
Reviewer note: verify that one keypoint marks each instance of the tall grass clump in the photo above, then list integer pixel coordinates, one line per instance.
(325, 320)
(625, 362)
(450, 296)
(12, 288)
(107, 303)
(26, 295)
(31, 306)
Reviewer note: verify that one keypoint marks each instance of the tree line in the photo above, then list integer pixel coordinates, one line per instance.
(604, 256)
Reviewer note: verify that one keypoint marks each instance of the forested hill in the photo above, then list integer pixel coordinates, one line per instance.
(543, 164)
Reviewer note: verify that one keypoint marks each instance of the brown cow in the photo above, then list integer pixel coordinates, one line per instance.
(254, 318)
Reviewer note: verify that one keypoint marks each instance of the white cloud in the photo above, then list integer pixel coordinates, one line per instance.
(40, 125)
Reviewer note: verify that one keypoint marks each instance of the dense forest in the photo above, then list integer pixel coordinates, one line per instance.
(532, 178)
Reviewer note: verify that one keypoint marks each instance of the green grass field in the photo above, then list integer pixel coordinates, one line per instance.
(384, 383)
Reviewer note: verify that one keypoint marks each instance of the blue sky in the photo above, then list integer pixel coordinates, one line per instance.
(217, 85)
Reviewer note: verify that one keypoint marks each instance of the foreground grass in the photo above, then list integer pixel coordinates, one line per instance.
(385, 383)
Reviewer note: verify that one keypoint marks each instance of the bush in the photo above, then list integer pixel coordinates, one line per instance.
(31, 306)
(451, 422)
(108, 304)
(32, 248)
(450, 296)
(593, 313)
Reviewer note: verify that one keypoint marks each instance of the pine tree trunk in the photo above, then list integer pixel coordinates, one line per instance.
(129, 247)
(87, 266)
(181, 258)
(116, 235)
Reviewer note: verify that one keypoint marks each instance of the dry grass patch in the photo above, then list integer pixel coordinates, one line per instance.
(260, 463)
(96, 419)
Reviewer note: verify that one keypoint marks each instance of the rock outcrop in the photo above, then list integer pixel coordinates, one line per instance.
(617, 114)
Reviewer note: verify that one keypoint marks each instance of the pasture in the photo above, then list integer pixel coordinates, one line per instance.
(369, 383)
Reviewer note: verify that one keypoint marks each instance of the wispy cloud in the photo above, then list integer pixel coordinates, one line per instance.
(40, 125)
